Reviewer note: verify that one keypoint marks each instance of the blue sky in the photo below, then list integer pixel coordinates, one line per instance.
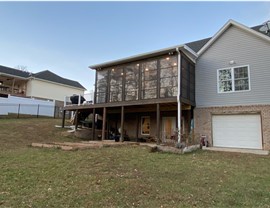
(67, 37)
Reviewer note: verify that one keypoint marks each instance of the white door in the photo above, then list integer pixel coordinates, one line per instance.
(238, 131)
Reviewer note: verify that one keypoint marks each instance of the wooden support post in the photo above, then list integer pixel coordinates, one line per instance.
(93, 123)
(76, 119)
(137, 127)
(103, 124)
(188, 130)
(108, 128)
(63, 118)
(122, 124)
(158, 123)
(13, 84)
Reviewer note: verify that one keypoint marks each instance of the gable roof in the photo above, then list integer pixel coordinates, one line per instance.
(50, 76)
(197, 45)
(254, 30)
(44, 75)
(14, 72)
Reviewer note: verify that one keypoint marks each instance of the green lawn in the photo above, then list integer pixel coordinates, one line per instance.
(122, 176)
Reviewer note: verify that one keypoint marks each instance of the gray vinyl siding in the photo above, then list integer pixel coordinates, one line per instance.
(245, 49)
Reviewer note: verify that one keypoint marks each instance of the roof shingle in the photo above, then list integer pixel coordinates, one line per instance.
(45, 75)
(14, 72)
(50, 76)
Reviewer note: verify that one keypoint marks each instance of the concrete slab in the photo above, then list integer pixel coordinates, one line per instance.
(249, 151)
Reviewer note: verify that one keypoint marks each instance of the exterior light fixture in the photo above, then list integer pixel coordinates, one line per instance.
(113, 70)
(138, 64)
(146, 69)
(174, 64)
(122, 73)
(232, 62)
(1, 82)
(168, 58)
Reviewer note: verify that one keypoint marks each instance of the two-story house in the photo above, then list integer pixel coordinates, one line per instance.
(44, 85)
(220, 82)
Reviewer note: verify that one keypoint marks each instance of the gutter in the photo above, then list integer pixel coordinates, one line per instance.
(13, 76)
(179, 95)
(187, 50)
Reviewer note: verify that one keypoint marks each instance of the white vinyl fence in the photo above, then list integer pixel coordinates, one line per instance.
(26, 106)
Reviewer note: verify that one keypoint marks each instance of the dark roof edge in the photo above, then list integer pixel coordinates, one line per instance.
(183, 47)
(74, 84)
(135, 58)
(11, 75)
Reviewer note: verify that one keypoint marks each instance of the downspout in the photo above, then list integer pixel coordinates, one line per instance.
(178, 96)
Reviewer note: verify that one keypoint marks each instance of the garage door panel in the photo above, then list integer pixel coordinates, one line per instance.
(239, 131)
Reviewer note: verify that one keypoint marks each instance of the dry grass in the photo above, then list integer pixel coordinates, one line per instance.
(19, 133)
(123, 176)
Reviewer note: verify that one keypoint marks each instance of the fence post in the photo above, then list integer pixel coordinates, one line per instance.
(54, 115)
(37, 110)
(18, 115)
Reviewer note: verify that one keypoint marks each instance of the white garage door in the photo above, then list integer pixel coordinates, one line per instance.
(239, 131)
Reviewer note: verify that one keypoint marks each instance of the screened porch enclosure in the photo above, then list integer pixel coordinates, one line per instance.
(148, 79)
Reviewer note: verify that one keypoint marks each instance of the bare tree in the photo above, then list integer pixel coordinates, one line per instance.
(22, 68)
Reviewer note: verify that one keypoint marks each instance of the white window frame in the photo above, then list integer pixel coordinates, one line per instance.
(233, 80)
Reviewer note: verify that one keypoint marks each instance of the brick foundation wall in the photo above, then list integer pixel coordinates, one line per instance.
(203, 119)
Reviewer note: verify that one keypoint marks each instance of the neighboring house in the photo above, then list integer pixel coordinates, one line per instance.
(221, 82)
(44, 85)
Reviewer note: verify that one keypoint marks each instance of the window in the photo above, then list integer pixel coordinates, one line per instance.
(225, 80)
(241, 79)
(233, 79)
(132, 81)
(145, 125)
(149, 79)
(102, 77)
(168, 77)
(116, 84)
